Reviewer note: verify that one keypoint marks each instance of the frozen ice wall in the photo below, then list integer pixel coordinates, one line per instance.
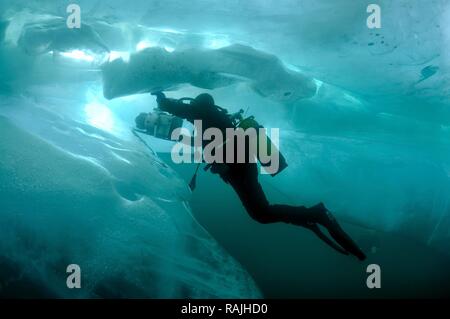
(73, 194)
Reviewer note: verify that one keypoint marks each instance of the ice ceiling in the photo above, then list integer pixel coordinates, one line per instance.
(404, 62)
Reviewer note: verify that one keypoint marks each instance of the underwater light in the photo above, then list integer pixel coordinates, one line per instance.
(99, 116)
(78, 55)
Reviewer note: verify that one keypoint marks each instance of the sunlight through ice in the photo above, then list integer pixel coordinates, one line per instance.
(78, 55)
(99, 115)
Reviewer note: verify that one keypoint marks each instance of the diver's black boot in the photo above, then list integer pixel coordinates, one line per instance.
(326, 219)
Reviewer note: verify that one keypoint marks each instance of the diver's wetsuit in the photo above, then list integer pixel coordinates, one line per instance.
(244, 180)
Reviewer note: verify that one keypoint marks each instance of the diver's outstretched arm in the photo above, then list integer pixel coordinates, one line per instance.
(175, 107)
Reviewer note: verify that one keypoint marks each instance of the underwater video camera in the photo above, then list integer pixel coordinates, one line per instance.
(158, 124)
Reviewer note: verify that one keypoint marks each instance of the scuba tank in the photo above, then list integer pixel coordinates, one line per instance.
(250, 122)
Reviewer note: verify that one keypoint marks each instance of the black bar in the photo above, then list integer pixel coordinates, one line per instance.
(232, 308)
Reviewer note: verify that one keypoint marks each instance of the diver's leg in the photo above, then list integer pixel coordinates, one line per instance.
(319, 214)
(300, 215)
(244, 180)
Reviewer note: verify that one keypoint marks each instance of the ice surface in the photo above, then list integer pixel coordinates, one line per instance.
(51, 34)
(365, 127)
(156, 69)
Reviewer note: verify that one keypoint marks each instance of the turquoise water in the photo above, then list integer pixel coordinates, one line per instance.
(364, 125)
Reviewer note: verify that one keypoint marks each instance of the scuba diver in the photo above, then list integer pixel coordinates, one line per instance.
(243, 178)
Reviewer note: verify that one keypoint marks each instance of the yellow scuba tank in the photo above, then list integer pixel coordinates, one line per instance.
(250, 122)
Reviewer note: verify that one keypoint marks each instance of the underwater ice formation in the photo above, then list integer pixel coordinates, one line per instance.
(157, 69)
(52, 34)
(73, 193)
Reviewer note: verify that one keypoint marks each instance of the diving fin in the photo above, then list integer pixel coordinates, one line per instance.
(316, 230)
(341, 237)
